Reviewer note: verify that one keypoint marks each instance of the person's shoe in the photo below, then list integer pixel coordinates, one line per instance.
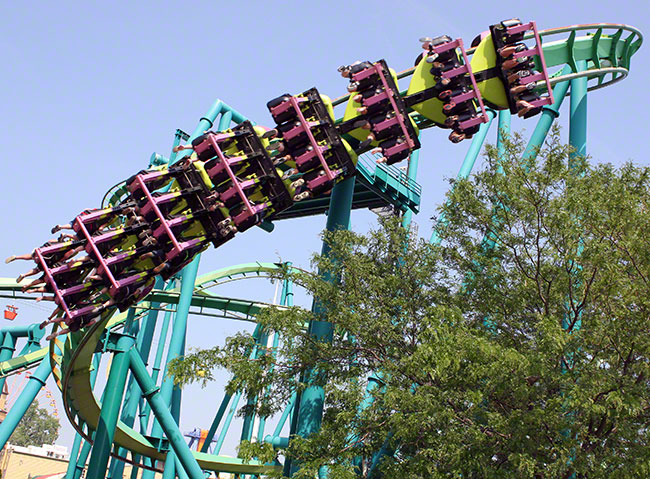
(508, 50)
(290, 172)
(431, 58)
(302, 196)
(61, 332)
(450, 120)
(456, 137)
(298, 183)
(10, 259)
(523, 107)
(270, 133)
(513, 77)
(448, 107)
(516, 90)
(513, 62)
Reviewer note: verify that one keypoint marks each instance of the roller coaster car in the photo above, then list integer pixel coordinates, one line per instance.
(132, 290)
(166, 205)
(52, 255)
(444, 90)
(138, 258)
(97, 220)
(521, 68)
(69, 274)
(376, 113)
(241, 170)
(310, 140)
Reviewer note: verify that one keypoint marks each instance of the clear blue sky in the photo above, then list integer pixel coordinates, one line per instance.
(90, 90)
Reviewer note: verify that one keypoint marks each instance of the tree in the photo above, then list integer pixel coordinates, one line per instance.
(36, 428)
(518, 347)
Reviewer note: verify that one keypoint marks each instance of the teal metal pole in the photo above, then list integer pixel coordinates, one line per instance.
(310, 406)
(110, 407)
(162, 340)
(85, 449)
(81, 460)
(285, 415)
(578, 118)
(411, 174)
(222, 408)
(175, 346)
(226, 424)
(6, 351)
(215, 424)
(160, 409)
(74, 455)
(169, 471)
(468, 164)
(249, 419)
(26, 398)
(504, 131)
(547, 117)
(133, 394)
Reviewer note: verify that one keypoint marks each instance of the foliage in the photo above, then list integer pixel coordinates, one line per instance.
(36, 428)
(516, 348)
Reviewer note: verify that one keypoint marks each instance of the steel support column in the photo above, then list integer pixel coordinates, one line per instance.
(109, 414)
(310, 406)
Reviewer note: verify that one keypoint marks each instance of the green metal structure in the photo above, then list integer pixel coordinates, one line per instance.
(135, 419)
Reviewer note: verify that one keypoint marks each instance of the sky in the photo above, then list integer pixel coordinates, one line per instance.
(92, 89)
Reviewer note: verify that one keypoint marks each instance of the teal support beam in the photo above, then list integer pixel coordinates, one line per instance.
(249, 419)
(285, 415)
(504, 131)
(162, 341)
(74, 456)
(169, 471)
(133, 393)
(411, 174)
(81, 460)
(547, 117)
(7, 348)
(109, 414)
(578, 116)
(226, 424)
(161, 411)
(180, 472)
(223, 406)
(176, 342)
(26, 398)
(310, 405)
(468, 164)
(215, 423)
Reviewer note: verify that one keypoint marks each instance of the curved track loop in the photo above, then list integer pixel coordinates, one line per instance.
(72, 368)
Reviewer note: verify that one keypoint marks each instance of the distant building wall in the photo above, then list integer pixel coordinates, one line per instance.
(21, 463)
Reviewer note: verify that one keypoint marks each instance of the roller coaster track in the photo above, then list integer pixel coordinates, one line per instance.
(607, 53)
(72, 368)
